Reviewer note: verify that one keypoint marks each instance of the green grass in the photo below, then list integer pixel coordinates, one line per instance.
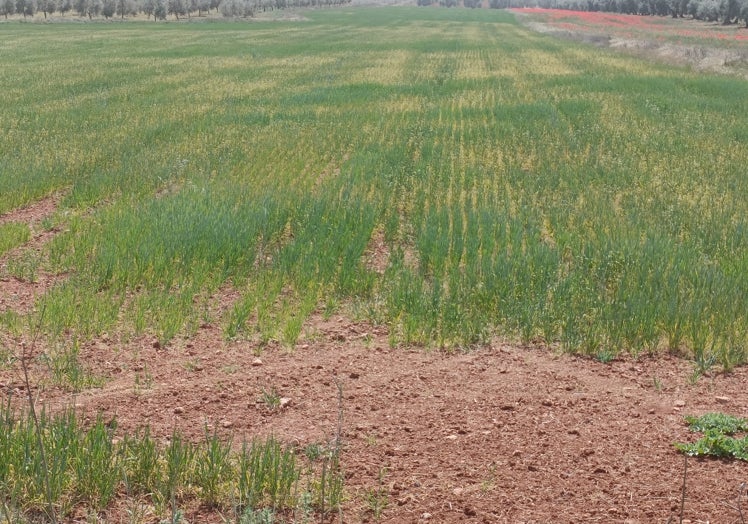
(524, 187)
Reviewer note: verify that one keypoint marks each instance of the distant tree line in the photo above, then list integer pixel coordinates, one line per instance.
(156, 9)
(724, 11)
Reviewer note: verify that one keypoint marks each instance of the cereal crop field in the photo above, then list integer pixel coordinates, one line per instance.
(389, 233)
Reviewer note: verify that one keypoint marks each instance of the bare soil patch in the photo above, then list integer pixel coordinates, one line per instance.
(498, 434)
(377, 254)
(32, 214)
(17, 294)
(20, 295)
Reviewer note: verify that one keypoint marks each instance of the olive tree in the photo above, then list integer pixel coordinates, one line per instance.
(108, 7)
(26, 7)
(176, 8)
(126, 7)
(7, 7)
(235, 8)
(47, 7)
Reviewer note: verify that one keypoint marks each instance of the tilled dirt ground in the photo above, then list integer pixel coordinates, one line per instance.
(496, 434)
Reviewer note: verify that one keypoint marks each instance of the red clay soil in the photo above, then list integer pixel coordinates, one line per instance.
(34, 213)
(497, 434)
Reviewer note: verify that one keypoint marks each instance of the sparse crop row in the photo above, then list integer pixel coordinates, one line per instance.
(512, 185)
(91, 468)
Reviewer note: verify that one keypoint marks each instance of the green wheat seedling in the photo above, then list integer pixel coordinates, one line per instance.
(12, 235)
(376, 498)
(270, 398)
(141, 460)
(7, 357)
(330, 496)
(97, 466)
(237, 318)
(324, 479)
(24, 266)
(143, 380)
(214, 469)
(268, 474)
(33, 482)
(88, 468)
(179, 463)
(68, 370)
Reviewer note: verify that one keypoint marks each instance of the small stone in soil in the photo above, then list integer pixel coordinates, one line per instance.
(257, 362)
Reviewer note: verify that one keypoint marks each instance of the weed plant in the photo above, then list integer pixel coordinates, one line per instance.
(719, 437)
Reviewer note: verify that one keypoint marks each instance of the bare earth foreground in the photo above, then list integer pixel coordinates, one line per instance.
(498, 434)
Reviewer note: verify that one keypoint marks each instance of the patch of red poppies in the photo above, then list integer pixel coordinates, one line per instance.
(617, 23)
